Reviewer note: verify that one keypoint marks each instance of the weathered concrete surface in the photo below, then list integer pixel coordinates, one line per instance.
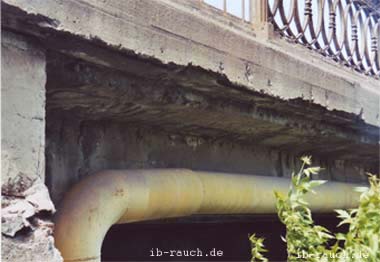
(27, 228)
(157, 64)
(162, 83)
(26, 205)
(146, 46)
(23, 114)
(179, 99)
(177, 31)
(99, 118)
(77, 148)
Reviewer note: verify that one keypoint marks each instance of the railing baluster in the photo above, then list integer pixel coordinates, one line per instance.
(259, 13)
(243, 9)
(259, 17)
(200, 2)
(251, 11)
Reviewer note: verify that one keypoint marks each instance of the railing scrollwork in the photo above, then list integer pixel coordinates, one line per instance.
(348, 31)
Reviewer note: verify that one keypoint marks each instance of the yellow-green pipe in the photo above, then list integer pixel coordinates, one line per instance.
(111, 197)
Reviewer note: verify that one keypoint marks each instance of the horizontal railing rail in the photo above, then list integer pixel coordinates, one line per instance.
(348, 31)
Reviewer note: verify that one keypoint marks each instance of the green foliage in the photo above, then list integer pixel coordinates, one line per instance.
(302, 236)
(257, 249)
(313, 242)
(363, 237)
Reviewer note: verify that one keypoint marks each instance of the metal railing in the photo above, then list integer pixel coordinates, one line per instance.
(348, 31)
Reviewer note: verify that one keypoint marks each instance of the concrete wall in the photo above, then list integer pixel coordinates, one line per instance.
(131, 55)
(169, 39)
(79, 147)
(26, 205)
(179, 32)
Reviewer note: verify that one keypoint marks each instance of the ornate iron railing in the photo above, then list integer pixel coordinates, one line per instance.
(348, 31)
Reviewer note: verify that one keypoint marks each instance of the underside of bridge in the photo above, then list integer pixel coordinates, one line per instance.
(168, 116)
(164, 84)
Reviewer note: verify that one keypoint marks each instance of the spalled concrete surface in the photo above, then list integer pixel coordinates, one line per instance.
(26, 205)
(156, 63)
(194, 101)
(165, 83)
(164, 48)
(157, 116)
(77, 148)
(180, 32)
(27, 228)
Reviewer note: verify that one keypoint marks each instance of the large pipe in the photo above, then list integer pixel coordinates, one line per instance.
(111, 197)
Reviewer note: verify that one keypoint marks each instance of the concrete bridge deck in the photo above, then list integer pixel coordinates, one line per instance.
(203, 70)
(170, 83)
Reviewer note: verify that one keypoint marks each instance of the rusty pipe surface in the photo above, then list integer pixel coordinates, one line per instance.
(110, 197)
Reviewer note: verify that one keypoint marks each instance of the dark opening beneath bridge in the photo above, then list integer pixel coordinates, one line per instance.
(208, 236)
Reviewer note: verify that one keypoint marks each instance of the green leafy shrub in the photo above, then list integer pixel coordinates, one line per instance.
(362, 242)
(312, 243)
(257, 249)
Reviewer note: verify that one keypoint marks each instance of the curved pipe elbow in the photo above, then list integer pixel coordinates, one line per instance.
(111, 197)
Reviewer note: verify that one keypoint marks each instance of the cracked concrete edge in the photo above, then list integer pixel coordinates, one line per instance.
(27, 229)
(17, 212)
(173, 32)
(27, 209)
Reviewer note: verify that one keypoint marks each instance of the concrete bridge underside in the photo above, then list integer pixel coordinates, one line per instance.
(165, 83)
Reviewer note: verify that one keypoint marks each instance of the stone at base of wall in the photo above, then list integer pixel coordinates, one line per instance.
(27, 228)
(36, 246)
